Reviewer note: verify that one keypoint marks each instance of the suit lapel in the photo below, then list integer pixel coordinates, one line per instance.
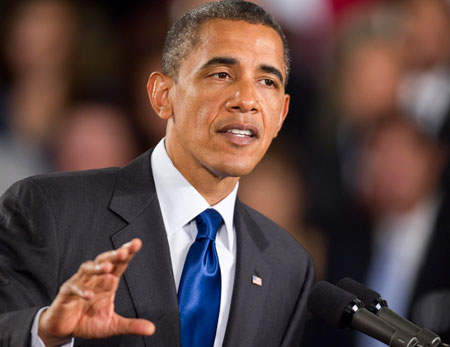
(248, 299)
(149, 276)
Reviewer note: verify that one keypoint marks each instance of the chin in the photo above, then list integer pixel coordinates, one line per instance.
(234, 169)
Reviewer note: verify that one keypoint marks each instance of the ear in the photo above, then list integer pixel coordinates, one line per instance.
(158, 88)
(283, 114)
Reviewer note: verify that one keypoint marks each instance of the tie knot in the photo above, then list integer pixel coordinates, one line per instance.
(208, 222)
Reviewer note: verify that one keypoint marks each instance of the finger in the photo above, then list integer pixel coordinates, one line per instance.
(125, 254)
(116, 255)
(114, 262)
(121, 254)
(90, 268)
(133, 326)
(76, 285)
(134, 245)
(71, 288)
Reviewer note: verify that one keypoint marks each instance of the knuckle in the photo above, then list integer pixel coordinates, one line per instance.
(86, 266)
(66, 288)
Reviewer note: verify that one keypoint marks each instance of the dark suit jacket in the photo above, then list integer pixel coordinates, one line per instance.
(50, 224)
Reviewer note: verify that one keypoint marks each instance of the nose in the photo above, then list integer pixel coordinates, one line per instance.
(244, 98)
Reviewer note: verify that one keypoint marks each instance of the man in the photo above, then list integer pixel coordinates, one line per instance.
(225, 66)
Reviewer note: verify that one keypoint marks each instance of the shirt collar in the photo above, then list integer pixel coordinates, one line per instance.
(180, 202)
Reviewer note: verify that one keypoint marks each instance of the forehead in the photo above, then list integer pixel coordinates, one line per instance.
(248, 43)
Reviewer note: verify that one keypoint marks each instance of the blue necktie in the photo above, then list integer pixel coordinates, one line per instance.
(200, 285)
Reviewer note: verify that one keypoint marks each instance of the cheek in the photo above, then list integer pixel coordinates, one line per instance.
(199, 108)
(272, 120)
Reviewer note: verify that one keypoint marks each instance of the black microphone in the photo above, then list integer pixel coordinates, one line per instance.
(377, 305)
(342, 309)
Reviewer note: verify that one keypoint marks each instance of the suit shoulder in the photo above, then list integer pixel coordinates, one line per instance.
(89, 182)
(63, 188)
(71, 180)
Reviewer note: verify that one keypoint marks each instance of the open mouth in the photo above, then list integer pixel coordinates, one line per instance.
(241, 133)
(240, 130)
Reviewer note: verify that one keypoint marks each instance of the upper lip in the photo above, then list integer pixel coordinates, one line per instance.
(240, 126)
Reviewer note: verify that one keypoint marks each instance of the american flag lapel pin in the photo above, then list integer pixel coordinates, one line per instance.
(257, 281)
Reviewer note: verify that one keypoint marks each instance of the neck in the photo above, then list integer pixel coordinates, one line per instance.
(218, 192)
(213, 188)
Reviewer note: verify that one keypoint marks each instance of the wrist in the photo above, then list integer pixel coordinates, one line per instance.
(50, 338)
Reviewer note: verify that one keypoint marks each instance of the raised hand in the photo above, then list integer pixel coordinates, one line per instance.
(84, 306)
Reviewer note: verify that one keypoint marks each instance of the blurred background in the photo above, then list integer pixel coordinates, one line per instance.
(358, 175)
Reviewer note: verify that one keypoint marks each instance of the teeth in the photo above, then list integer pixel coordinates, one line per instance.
(240, 133)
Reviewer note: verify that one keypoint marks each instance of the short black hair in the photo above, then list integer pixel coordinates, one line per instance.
(183, 35)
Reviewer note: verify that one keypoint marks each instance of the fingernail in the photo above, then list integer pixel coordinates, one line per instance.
(128, 244)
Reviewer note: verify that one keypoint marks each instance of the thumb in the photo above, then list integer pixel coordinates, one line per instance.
(133, 326)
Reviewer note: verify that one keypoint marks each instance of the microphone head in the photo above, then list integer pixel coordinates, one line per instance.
(368, 296)
(330, 303)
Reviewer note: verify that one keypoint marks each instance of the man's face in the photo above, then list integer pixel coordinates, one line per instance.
(228, 101)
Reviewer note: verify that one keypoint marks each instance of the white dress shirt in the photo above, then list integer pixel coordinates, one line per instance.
(180, 203)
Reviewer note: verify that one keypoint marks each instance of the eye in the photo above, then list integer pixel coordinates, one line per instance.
(268, 82)
(221, 75)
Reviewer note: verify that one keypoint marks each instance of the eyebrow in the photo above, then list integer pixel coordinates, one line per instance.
(220, 61)
(232, 61)
(272, 70)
